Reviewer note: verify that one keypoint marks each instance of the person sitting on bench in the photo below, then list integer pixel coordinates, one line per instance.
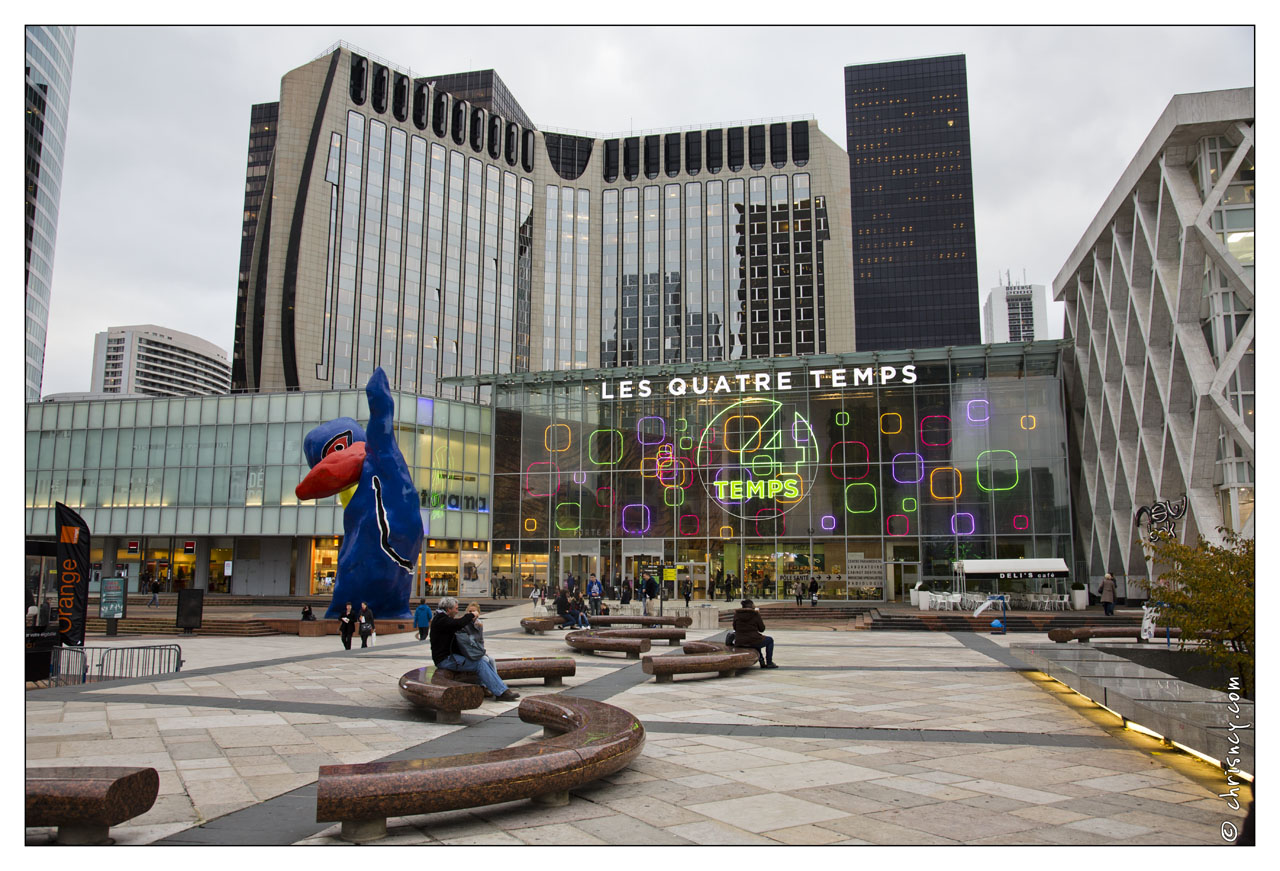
(748, 631)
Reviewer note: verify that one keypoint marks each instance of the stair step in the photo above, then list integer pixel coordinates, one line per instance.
(161, 626)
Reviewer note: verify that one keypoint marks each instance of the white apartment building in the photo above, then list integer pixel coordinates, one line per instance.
(157, 361)
(1015, 313)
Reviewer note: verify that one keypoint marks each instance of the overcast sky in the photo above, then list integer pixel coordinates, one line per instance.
(153, 184)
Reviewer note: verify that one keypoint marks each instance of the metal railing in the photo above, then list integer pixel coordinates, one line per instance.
(70, 666)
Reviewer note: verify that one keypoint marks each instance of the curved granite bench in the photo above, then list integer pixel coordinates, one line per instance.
(552, 670)
(591, 740)
(640, 620)
(84, 803)
(1085, 633)
(597, 640)
(442, 700)
(699, 657)
(539, 625)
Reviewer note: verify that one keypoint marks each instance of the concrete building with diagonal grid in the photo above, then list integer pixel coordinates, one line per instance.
(1160, 314)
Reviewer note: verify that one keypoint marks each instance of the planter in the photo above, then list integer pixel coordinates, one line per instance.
(915, 598)
(1079, 599)
(925, 600)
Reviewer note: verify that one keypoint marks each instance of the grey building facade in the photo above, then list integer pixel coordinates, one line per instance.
(404, 226)
(1160, 312)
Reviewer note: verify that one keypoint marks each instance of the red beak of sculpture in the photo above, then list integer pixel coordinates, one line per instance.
(335, 473)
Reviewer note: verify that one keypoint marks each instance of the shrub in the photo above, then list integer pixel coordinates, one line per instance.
(1206, 590)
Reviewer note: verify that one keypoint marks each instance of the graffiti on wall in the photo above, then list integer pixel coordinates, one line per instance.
(1160, 517)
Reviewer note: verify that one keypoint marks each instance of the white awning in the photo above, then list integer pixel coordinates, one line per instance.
(1017, 568)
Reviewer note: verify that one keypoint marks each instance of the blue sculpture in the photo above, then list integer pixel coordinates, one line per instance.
(382, 523)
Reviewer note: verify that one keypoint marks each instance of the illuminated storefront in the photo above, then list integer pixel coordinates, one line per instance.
(867, 473)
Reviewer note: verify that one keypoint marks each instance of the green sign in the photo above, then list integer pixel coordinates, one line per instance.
(111, 602)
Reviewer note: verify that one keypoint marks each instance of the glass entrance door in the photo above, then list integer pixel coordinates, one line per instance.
(696, 573)
(900, 579)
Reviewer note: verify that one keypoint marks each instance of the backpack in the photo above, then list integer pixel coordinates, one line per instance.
(469, 645)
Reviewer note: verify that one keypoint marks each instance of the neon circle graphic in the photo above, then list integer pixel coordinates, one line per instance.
(757, 454)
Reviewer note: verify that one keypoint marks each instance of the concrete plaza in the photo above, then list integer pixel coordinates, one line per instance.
(858, 738)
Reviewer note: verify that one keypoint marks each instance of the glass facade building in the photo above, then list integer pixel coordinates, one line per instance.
(911, 185)
(48, 94)
(868, 473)
(199, 492)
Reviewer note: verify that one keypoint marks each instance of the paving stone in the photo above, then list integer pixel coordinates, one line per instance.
(765, 812)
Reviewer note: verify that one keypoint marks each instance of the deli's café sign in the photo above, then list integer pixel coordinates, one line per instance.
(760, 382)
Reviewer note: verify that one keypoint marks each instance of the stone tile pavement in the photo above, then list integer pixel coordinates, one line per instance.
(859, 738)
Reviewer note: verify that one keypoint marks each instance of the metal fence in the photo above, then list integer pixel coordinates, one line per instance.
(78, 665)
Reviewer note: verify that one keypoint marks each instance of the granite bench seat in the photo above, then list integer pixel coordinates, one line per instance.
(597, 640)
(589, 740)
(1085, 633)
(552, 670)
(701, 657)
(442, 700)
(640, 620)
(84, 803)
(539, 625)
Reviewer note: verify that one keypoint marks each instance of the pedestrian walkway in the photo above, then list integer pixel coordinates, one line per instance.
(859, 737)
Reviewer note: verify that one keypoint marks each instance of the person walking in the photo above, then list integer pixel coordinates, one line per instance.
(347, 626)
(688, 593)
(422, 619)
(813, 593)
(595, 592)
(367, 629)
(1107, 594)
(797, 590)
(155, 594)
(444, 628)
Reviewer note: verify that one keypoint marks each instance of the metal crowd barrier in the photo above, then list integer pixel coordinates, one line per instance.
(78, 665)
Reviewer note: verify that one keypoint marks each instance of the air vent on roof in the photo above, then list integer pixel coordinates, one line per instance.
(778, 145)
(421, 104)
(400, 97)
(495, 137)
(440, 114)
(630, 158)
(381, 86)
(736, 149)
(755, 142)
(359, 79)
(693, 152)
(611, 160)
(715, 150)
(477, 128)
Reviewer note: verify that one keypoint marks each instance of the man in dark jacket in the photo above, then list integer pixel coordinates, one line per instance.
(650, 590)
(813, 593)
(748, 631)
(443, 653)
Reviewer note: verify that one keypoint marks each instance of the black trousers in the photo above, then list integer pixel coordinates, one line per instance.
(346, 640)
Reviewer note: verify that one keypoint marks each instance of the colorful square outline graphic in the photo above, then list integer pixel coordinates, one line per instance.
(888, 526)
(875, 501)
(825, 518)
(1026, 522)
(1023, 422)
(884, 431)
(577, 505)
(959, 480)
(640, 433)
(554, 474)
(546, 437)
(986, 411)
(978, 471)
(973, 524)
(591, 447)
(697, 524)
(841, 464)
(600, 490)
(893, 467)
(644, 513)
(928, 443)
(756, 437)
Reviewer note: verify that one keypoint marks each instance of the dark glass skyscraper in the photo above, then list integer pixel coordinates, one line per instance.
(911, 191)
